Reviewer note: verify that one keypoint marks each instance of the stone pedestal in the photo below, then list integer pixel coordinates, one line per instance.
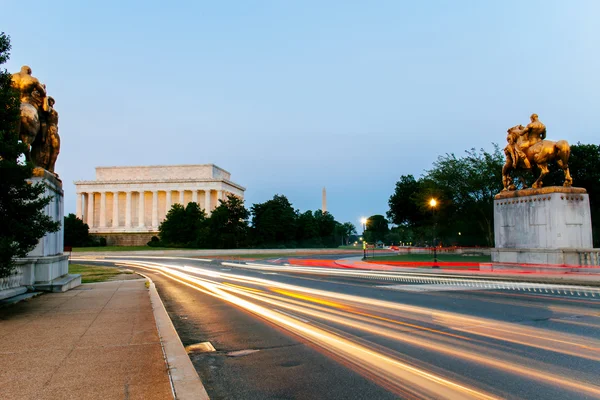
(550, 225)
(45, 267)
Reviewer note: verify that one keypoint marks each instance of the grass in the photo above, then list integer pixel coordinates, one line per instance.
(444, 257)
(120, 248)
(92, 274)
(142, 248)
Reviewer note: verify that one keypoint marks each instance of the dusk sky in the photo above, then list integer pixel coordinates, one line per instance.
(294, 96)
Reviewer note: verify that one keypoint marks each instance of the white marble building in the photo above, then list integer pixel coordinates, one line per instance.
(127, 200)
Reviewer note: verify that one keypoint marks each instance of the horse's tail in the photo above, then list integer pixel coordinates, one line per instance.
(563, 152)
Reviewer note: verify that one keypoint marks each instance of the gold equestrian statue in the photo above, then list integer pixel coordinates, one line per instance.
(527, 147)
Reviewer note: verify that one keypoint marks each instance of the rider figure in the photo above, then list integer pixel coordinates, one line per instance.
(536, 130)
(514, 149)
(533, 133)
(30, 89)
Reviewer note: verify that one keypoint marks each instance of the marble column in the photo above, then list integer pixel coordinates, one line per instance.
(220, 195)
(155, 209)
(102, 209)
(181, 193)
(128, 209)
(141, 211)
(78, 206)
(207, 205)
(195, 196)
(168, 201)
(90, 211)
(115, 221)
(84, 207)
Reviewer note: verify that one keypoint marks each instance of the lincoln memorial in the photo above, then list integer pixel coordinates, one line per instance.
(127, 204)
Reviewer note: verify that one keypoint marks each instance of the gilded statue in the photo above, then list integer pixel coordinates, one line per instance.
(38, 125)
(528, 147)
(46, 146)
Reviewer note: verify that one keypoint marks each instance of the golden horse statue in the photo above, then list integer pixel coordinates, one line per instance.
(536, 151)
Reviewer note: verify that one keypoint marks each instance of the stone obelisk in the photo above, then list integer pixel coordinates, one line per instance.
(324, 205)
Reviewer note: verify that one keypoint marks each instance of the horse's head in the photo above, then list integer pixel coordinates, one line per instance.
(515, 129)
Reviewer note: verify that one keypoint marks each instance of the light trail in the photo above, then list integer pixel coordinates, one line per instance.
(474, 325)
(388, 369)
(293, 308)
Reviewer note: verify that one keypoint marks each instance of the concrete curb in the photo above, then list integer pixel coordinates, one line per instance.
(564, 279)
(185, 382)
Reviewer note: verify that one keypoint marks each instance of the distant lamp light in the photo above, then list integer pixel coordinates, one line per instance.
(433, 203)
(363, 220)
(459, 233)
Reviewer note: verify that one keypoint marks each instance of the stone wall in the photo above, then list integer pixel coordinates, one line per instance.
(126, 239)
(161, 172)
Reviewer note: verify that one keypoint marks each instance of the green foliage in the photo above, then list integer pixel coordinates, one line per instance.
(77, 232)
(345, 231)
(154, 242)
(469, 185)
(325, 224)
(275, 224)
(377, 229)
(274, 221)
(21, 203)
(183, 227)
(228, 224)
(464, 188)
(403, 202)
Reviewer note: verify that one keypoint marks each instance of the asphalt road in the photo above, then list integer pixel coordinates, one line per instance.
(336, 334)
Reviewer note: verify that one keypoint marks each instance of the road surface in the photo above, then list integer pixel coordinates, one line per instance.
(311, 333)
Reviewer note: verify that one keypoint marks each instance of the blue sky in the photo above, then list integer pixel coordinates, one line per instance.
(292, 96)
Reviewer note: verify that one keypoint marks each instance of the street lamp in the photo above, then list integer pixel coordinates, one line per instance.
(363, 221)
(433, 204)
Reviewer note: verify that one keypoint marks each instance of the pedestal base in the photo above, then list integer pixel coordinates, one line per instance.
(562, 257)
(45, 267)
(550, 225)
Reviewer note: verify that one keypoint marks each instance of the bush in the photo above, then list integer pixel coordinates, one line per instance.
(154, 242)
(77, 232)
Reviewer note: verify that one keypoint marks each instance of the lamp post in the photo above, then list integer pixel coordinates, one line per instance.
(363, 221)
(433, 204)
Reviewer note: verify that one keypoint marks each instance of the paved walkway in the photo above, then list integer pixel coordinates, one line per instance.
(97, 341)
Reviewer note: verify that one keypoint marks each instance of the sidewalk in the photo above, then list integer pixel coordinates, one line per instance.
(97, 341)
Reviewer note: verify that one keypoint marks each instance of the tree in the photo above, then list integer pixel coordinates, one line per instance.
(77, 232)
(274, 221)
(464, 188)
(326, 228)
(467, 186)
(21, 203)
(377, 228)
(403, 203)
(348, 229)
(182, 227)
(307, 230)
(228, 224)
